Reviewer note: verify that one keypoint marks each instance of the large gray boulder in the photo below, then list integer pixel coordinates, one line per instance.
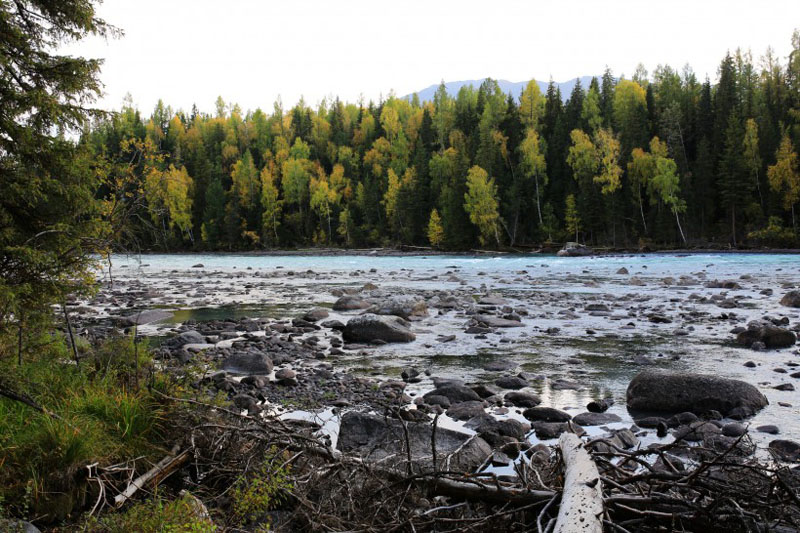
(574, 249)
(767, 333)
(380, 439)
(350, 303)
(791, 299)
(184, 338)
(17, 526)
(676, 392)
(454, 392)
(498, 322)
(249, 363)
(402, 306)
(369, 328)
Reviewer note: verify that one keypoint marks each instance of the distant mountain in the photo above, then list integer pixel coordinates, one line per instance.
(506, 86)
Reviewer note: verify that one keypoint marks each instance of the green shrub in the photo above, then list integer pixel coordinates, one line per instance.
(261, 490)
(774, 234)
(155, 516)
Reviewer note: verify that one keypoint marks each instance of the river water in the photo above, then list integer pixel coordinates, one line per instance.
(600, 350)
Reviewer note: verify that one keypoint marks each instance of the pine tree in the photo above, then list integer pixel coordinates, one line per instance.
(50, 217)
(214, 214)
(733, 184)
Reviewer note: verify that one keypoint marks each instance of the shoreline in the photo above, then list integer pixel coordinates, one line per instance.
(394, 252)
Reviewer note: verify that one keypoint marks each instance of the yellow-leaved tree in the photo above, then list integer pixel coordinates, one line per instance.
(784, 176)
(480, 203)
(270, 204)
(435, 229)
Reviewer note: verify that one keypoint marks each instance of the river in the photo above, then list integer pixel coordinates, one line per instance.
(601, 348)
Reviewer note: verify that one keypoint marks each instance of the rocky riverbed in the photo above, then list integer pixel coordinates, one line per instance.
(511, 348)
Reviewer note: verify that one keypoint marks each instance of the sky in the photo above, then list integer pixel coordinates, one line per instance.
(252, 52)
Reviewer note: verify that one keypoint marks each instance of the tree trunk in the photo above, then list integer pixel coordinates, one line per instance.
(581, 509)
(19, 342)
(680, 229)
(538, 207)
(758, 186)
(71, 336)
(641, 210)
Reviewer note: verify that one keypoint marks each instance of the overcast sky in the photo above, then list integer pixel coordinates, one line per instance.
(250, 52)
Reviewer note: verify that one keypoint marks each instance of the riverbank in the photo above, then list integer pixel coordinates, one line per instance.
(416, 251)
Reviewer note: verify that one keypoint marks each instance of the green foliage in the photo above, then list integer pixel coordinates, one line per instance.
(480, 201)
(255, 178)
(775, 234)
(50, 219)
(180, 515)
(573, 220)
(261, 490)
(93, 414)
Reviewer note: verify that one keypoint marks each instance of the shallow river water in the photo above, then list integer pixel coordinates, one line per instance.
(601, 350)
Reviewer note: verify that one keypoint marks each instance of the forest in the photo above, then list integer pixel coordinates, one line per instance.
(659, 159)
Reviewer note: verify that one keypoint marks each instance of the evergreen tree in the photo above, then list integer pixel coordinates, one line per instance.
(734, 186)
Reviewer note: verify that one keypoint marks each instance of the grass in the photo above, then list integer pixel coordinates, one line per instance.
(155, 516)
(98, 415)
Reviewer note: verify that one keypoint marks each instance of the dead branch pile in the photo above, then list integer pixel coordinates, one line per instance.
(670, 488)
(682, 487)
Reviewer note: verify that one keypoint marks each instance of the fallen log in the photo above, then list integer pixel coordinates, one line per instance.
(476, 491)
(162, 469)
(581, 508)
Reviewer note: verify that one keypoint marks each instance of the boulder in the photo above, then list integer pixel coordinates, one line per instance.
(248, 363)
(785, 450)
(595, 419)
(522, 399)
(454, 393)
(493, 431)
(734, 429)
(376, 438)
(552, 430)
(545, 414)
(791, 299)
(402, 306)
(674, 392)
(435, 399)
(574, 249)
(333, 324)
(350, 303)
(491, 321)
(369, 327)
(599, 406)
(492, 300)
(184, 338)
(17, 526)
(761, 331)
(465, 410)
(510, 382)
(315, 315)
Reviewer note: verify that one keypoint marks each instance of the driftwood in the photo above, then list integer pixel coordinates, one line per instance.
(582, 500)
(154, 476)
